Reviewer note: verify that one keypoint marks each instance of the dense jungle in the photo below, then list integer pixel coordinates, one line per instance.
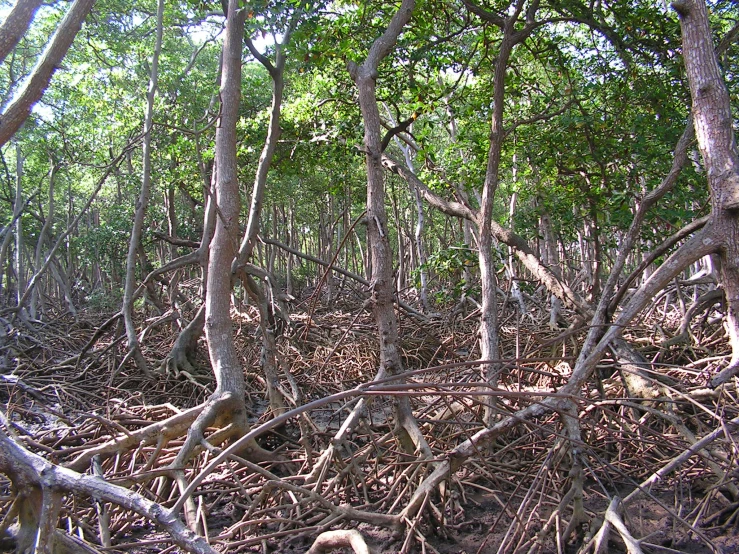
(409, 276)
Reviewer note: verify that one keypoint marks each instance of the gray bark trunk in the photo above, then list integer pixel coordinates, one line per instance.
(142, 203)
(20, 272)
(381, 256)
(269, 348)
(225, 192)
(37, 301)
(713, 121)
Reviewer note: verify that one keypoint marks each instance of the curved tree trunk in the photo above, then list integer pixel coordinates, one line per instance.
(269, 349)
(37, 301)
(489, 340)
(228, 400)
(182, 355)
(227, 403)
(419, 230)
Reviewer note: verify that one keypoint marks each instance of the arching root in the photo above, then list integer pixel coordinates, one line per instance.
(344, 538)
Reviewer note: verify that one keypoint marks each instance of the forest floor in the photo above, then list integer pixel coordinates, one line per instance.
(66, 395)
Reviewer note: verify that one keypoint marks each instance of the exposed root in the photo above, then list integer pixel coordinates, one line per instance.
(548, 466)
(178, 361)
(40, 503)
(331, 540)
(599, 543)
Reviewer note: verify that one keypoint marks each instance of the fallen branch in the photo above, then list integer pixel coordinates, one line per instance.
(676, 462)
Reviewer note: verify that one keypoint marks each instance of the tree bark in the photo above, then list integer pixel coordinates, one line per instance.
(269, 348)
(276, 72)
(36, 478)
(37, 300)
(408, 153)
(712, 119)
(382, 288)
(16, 24)
(20, 271)
(143, 202)
(17, 112)
(225, 190)
(227, 403)
(489, 341)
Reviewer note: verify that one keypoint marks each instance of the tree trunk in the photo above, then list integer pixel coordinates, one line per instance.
(489, 347)
(142, 203)
(489, 343)
(17, 112)
(225, 191)
(712, 119)
(248, 242)
(16, 24)
(382, 288)
(7, 237)
(227, 403)
(276, 72)
(550, 258)
(37, 300)
(20, 272)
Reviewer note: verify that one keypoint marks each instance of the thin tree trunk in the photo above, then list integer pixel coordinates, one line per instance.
(489, 340)
(246, 251)
(401, 271)
(36, 298)
(515, 289)
(183, 350)
(513, 34)
(381, 256)
(276, 72)
(169, 201)
(7, 237)
(550, 257)
(420, 252)
(291, 232)
(20, 273)
(143, 202)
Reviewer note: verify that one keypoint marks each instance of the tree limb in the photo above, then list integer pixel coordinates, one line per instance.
(17, 112)
(16, 24)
